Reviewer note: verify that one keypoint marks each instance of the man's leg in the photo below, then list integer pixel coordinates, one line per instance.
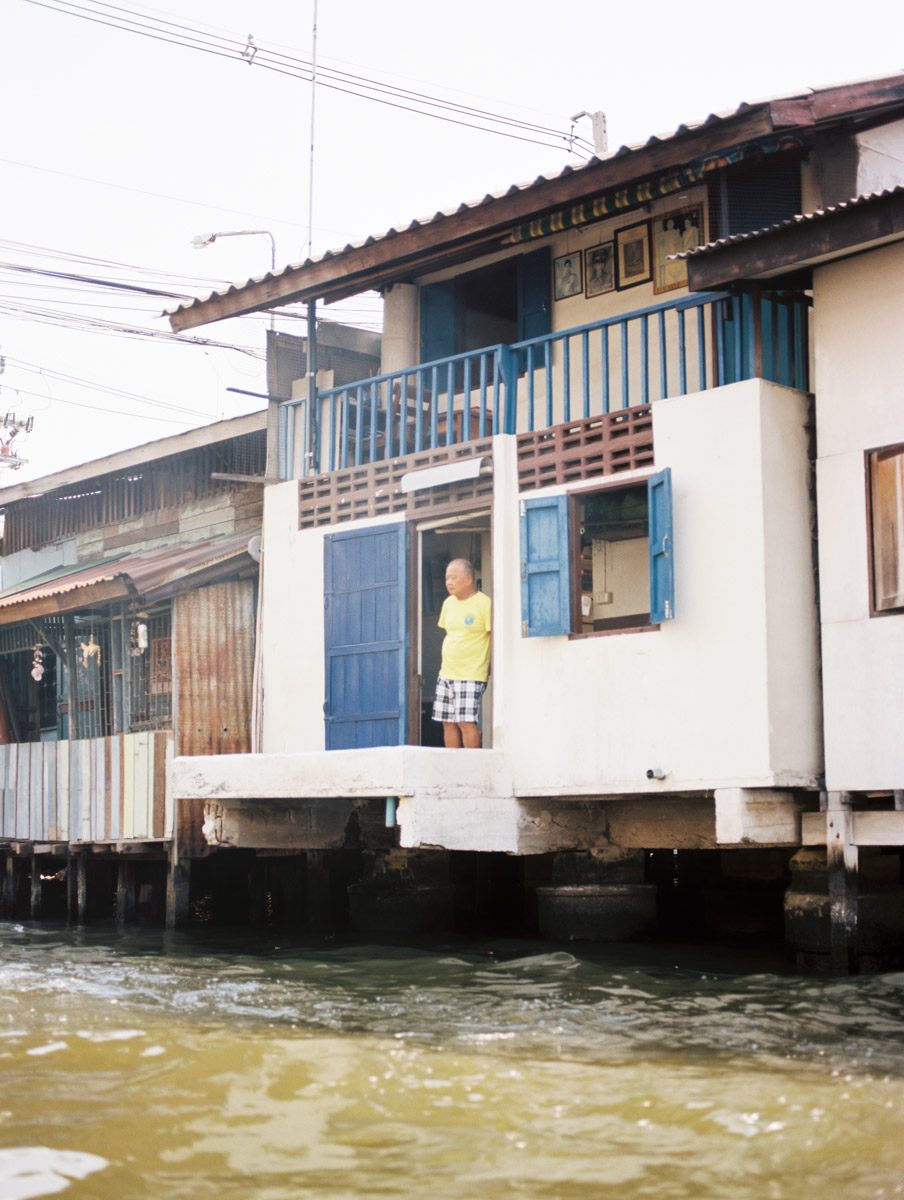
(470, 735)
(451, 735)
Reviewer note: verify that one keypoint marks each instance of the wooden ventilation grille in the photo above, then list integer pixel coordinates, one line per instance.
(603, 445)
(374, 489)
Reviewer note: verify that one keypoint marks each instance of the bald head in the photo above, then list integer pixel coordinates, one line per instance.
(460, 581)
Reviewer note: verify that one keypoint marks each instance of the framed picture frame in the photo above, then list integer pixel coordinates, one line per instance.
(599, 269)
(681, 229)
(632, 255)
(567, 276)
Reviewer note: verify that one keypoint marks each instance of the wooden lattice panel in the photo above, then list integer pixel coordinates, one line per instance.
(603, 445)
(375, 490)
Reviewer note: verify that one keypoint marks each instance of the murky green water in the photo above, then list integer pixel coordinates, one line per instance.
(145, 1066)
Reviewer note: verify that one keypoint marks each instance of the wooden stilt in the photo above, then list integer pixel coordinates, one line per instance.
(81, 888)
(258, 890)
(126, 907)
(8, 896)
(178, 877)
(35, 888)
(77, 888)
(317, 889)
(842, 861)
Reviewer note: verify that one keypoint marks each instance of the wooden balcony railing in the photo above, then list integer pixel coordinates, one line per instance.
(669, 349)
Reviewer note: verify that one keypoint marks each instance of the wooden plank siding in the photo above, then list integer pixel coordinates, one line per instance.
(96, 790)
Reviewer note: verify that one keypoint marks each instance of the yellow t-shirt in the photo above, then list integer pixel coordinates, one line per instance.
(466, 646)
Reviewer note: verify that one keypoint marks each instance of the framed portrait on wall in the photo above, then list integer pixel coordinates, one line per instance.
(632, 255)
(567, 270)
(672, 233)
(599, 269)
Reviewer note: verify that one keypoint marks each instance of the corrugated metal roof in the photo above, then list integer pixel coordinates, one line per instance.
(790, 110)
(150, 573)
(802, 219)
(120, 460)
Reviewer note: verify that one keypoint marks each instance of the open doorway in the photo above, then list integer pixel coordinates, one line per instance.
(466, 536)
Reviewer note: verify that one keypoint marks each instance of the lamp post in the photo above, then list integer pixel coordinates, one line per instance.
(200, 240)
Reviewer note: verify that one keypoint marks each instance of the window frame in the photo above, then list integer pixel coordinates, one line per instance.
(880, 606)
(550, 596)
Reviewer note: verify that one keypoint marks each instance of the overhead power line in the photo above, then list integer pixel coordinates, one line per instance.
(119, 412)
(420, 103)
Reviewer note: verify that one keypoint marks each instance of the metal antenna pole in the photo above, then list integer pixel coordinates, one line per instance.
(311, 448)
(311, 167)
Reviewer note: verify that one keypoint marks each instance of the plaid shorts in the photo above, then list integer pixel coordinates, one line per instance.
(458, 700)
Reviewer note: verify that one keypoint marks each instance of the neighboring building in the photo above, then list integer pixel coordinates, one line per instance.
(126, 633)
(851, 257)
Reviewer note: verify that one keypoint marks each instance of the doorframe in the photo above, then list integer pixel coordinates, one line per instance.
(434, 523)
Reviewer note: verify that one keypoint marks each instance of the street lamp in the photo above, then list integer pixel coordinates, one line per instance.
(200, 240)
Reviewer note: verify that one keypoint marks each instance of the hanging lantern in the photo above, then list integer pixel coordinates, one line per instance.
(90, 649)
(138, 638)
(37, 664)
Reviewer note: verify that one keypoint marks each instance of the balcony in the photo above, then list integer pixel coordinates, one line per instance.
(621, 363)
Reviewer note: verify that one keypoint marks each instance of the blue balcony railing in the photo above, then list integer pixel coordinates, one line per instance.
(669, 349)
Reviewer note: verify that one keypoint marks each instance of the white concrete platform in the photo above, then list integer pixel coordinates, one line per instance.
(401, 771)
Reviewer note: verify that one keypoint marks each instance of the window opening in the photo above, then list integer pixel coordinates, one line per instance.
(598, 560)
(103, 674)
(487, 307)
(149, 639)
(751, 196)
(886, 528)
(612, 530)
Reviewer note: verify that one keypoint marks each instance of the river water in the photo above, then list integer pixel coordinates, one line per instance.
(147, 1065)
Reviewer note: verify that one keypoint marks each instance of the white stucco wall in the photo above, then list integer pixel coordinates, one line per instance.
(724, 695)
(858, 318)
(292, 651)
(881, 160)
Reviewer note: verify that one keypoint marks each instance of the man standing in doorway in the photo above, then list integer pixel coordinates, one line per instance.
(465, 665)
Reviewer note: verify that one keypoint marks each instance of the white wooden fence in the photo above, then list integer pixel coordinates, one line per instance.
(97, 790)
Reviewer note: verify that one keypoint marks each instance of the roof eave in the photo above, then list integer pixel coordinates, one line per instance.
(445, 240)
(805, 244)
(135, 456)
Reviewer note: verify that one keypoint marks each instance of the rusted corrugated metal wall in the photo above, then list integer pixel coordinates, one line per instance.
(213, 647)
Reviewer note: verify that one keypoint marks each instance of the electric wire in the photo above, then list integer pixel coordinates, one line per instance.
(261, 217)
(419, 103)
(118, 412)
(63, 377)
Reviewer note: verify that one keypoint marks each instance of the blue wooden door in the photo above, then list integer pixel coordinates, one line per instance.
(366, 637)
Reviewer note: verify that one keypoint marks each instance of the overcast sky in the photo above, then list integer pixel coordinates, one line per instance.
(119, 147)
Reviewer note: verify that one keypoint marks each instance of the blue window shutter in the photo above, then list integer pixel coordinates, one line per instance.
(437, 320)
(545, 575)
(662, 571)
(534, 286)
